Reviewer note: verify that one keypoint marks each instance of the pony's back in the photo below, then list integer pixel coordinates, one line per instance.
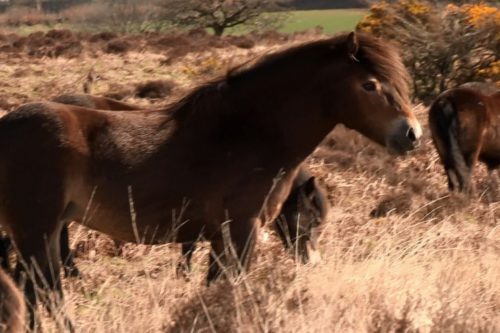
(486, 88)
(94, 102)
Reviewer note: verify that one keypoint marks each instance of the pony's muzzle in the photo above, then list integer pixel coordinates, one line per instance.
(405, 136)
(314, 254)
(411, 135)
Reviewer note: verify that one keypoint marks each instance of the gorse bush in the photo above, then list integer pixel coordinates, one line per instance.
(442, 45)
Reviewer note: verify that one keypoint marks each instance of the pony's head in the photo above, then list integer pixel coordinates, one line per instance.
(367, 89)
(301, 218)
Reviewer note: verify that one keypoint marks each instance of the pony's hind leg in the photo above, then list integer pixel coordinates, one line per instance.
(37, 268)
(37, 240)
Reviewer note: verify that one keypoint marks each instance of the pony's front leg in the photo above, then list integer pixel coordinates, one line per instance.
(233, 248)
(452, 177)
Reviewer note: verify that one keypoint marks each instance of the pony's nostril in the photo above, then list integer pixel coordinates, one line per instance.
(411, 134)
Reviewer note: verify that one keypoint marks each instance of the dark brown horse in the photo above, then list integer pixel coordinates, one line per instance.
(12, 306)
(297, 225)
(219, 162)
(465, 128)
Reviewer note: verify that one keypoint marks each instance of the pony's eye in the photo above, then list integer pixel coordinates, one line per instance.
(369, 86)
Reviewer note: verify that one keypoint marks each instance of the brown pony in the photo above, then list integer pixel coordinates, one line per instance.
(12, 306)
(219, 162)
(465, 128)
(297, 225)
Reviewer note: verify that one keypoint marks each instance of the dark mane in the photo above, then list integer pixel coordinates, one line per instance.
(382, 58)
(379, 56)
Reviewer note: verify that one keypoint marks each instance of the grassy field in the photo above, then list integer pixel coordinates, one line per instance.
(332, 21)
(430, 261)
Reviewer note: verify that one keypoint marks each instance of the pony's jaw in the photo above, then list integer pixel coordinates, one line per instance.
(404, 135)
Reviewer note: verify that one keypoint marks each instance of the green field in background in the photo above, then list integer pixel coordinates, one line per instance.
(332, 20)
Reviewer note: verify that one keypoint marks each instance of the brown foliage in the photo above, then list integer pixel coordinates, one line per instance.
(154, 89)
(398, 203)
(117, 46)
(243, 42)
(62, 34)
(20, 15)
(103, 36)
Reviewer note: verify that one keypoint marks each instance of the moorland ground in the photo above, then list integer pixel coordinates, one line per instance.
(399, 253)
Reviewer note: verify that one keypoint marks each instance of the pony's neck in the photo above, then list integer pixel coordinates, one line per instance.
(286, 106)
(280, 104)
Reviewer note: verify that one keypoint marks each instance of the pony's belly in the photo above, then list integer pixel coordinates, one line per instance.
(492, 160)
(146, 226)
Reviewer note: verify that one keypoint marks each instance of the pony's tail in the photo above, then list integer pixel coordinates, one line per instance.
(444, 123)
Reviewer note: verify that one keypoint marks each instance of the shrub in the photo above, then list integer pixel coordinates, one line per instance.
(102, 36)
(443, 46)
(20, 15)
(117, 46)
(243, 42)
(115, 15)
(155, 89)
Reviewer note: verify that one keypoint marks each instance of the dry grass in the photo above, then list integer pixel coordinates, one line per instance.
(430, 261)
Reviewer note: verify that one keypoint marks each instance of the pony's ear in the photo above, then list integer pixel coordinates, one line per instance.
(352, 45)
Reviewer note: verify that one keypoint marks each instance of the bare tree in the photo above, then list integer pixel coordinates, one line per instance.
(218, 15)
(130, 15)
